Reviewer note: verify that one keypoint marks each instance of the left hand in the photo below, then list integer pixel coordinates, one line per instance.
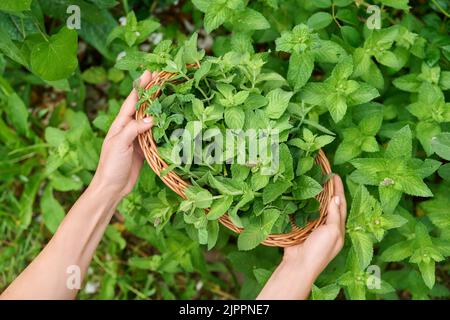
(121, 157)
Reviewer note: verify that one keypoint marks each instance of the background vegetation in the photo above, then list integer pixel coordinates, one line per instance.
(60, 89)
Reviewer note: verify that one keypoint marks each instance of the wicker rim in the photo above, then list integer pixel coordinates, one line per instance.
(178, 185)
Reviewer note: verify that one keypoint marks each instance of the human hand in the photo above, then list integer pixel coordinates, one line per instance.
(303, 263)
(324, 243)
(121, 158)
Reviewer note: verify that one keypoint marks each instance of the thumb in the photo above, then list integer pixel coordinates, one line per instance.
(133, 128)
(333, 212)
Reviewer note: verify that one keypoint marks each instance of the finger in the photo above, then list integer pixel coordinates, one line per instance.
(128, 108)
(334, 217)
(132, 129)
(339, 191)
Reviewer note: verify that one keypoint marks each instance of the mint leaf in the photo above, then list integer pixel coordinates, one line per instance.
(300, 69)
(278, 101)
(306, 187)
(441, 145)
(274, 190)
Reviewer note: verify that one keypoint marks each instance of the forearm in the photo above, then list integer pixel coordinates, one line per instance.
(73, 244)
(289, 281)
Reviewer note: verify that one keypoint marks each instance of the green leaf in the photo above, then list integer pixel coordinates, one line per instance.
(398, 252)
(363, 94)
(425, 132)
(363, 246)
(274, 190)
(314, 93)
(300, 69)
(213, 233)
(18, 114)
(145, 263)
(202, 5)
(389, 197)
(56, 58)
(278, 102)
(400, 145)
(52, 212)
(397, 4)
(251, 237)
(224, 186)
(444, 172)
(234, 118)
(371, 124)
(9, 49)
(306, 187)
(328, 292)
(259, 181)
(319, 20)
(15, 5)
(337, 107)
(201, 198)
(94, 75)
(427, 269)
(441, 145)
(346, 151)
(249, 19)
(328, 51)
(262, 275)
(219, 207)
(216, 15)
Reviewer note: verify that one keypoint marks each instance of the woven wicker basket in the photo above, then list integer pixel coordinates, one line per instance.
(178, 185)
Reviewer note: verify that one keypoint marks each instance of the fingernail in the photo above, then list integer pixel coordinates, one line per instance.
(337, 200)
(148, 120)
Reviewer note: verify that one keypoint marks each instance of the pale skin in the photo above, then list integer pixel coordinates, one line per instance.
(121, 159)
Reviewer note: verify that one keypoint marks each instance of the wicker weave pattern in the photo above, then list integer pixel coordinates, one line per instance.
(178, 185)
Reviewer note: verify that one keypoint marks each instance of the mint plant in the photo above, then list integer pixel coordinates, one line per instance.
(320, 73)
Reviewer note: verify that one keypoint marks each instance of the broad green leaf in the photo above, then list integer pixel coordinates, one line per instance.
(15, 5)
(400, 145)
(338, 107)
(300, 69)
(397, 4)
(319, 20)
(234, 118)
(398, 252)
(274, 190)
(389, 197)
(219, 207)
(249, 19)
(259, 181)
(278, 102)
(441, 145)
(216, 14)
(427, 269)
(56, 58)
(306, 187)
(328, 292)
(444, 172)
(363, 94)
(328, 51)
(94, 75)
(201, 198)
(9, 49)
(213, 233)
(251, 237)
(363, 246)
(346, 151)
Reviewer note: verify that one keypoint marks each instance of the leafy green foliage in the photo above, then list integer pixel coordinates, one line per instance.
(376, 101)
